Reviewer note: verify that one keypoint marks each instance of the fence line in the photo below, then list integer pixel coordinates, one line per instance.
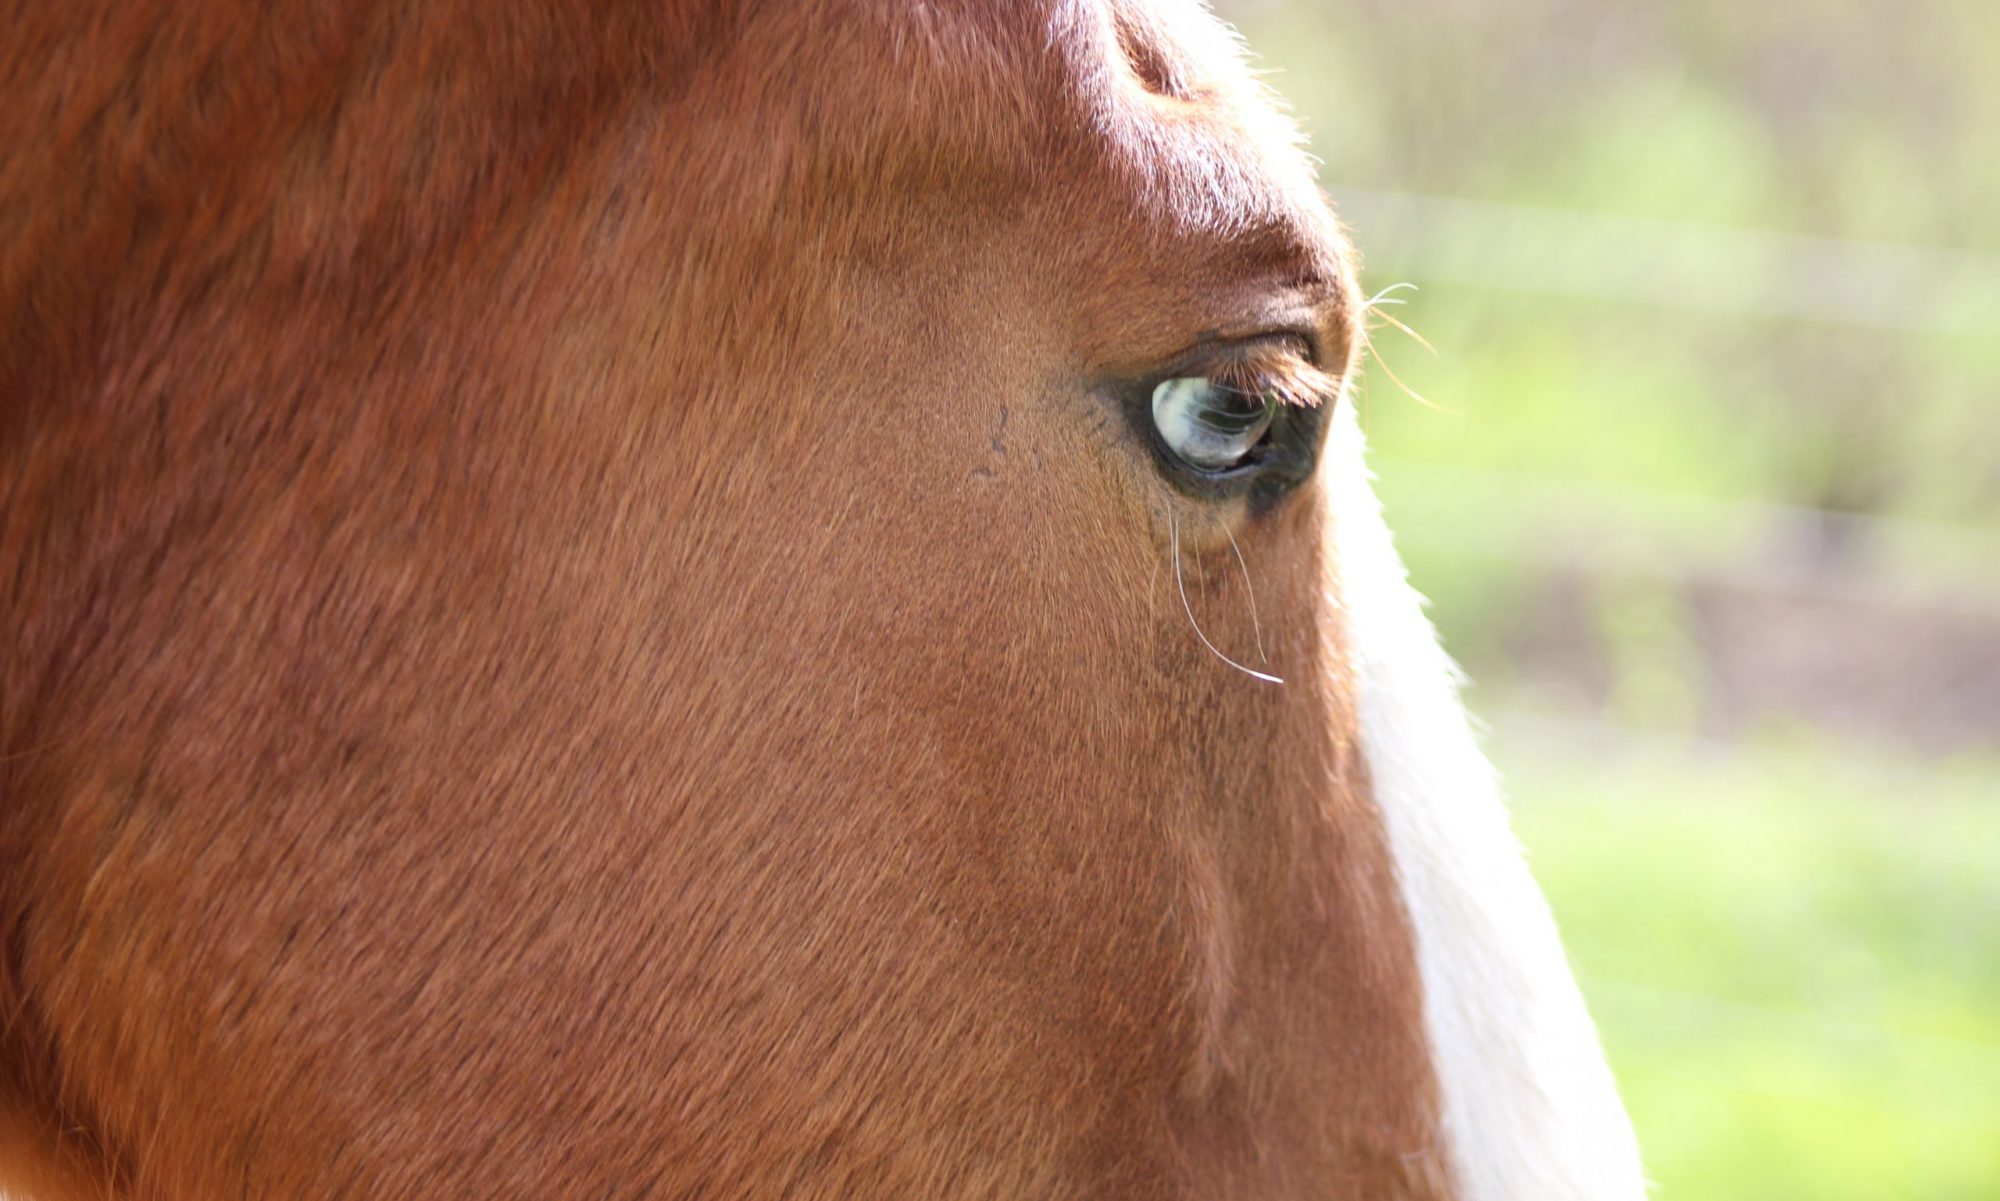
(1534, 734)
(1752, 546)
(1962, 1055)
(1707, 268)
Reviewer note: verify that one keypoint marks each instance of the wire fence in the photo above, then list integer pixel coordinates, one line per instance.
(1923, 584)
(1704, 268)
(1887, 563)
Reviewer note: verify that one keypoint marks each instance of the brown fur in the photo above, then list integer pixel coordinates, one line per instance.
(580, 623)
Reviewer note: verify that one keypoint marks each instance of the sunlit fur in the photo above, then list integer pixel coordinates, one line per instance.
(576, 623)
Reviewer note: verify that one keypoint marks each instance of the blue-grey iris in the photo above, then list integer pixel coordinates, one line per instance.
(1210, 425)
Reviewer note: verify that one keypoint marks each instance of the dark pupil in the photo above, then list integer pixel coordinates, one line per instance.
(1231, 411)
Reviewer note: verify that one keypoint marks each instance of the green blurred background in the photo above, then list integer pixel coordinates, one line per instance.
(1705, 487)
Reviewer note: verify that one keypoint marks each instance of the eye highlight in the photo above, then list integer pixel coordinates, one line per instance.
(1209, 424)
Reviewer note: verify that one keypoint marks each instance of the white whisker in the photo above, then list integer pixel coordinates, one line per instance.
(1256, 627)
(1174, 527)
(1383, 297)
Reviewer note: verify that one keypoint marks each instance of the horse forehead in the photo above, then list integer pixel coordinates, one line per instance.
(1115, 164)
(1152, 100)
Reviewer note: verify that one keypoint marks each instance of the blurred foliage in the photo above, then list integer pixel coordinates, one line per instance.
(1864, 121)
(1727, 273)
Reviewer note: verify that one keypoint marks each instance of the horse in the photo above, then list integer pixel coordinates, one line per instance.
(699, 599)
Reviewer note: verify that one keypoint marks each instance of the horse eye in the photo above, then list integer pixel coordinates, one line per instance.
(1210, 425)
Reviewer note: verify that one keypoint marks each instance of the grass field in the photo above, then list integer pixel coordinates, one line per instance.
(1794, 958)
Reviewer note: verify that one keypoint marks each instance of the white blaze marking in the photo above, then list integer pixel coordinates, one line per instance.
(1530, 1110)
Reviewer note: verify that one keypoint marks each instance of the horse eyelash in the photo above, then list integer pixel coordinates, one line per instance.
(1276, 371)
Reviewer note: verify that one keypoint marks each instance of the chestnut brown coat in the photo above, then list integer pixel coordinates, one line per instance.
(589, 613)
